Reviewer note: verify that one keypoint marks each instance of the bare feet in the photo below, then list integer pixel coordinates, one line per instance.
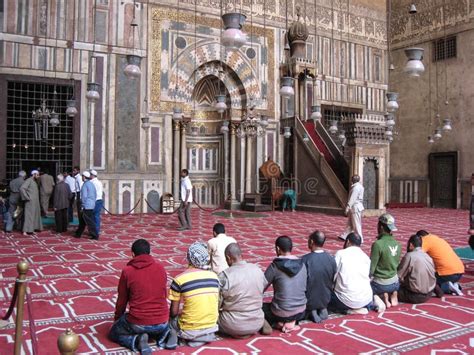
(386, 301)
(394, 299)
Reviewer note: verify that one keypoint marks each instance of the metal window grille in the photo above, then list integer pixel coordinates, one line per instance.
(330, 114)
(444, 48)
(24, 151)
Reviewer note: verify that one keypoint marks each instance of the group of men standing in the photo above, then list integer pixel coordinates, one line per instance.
(29, 200)
(221, 292)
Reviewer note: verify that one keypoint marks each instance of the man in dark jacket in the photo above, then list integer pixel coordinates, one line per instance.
(15, 199)
(142, 286)
(321, 268)
(62, 196)
(288, 276)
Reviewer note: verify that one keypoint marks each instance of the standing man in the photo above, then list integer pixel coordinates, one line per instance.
(142, 286)
(46, 184)
(217, 247)
(184, 212)
(15, 198)
(99, 189)
(71, 182)
(321, 268)
(32, 214)
(78, 186)
(62, 196)
(354, 209)
(86, 215)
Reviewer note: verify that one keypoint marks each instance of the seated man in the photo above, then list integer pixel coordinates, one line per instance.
(241, 290)
(288, 276)
(449, 268)
(384, 260)
(217, 246)
(321, 268)
(198, 290)
(142, 286)
(416, 273)
(352, 292)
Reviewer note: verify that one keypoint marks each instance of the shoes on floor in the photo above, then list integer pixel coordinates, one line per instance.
(379, 304)
(358, 311)
(182, 228)
(455, 288)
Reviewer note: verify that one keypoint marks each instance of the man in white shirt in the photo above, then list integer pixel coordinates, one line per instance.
(216, 247)
(71, 182)
(99, 188)
(76, 172)
(352, 291)
(354, 208)
(184, 212)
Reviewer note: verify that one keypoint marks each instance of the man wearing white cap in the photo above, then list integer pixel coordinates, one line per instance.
(98, 203)
(32, 213)
(86, 215)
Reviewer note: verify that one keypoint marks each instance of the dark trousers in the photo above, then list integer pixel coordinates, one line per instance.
(70, 210)
(86, 217)
(60, 216)
(78, 204)
(125, 333)
(184, 215)
(273, 319)
(407, 296)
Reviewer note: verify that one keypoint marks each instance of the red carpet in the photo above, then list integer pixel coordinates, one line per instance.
(73, 284)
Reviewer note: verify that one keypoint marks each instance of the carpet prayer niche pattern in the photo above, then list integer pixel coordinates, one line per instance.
(73, 284)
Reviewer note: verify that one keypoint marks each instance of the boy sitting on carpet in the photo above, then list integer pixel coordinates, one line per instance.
(288, 276)
(198, 290)
(384, 260)
(143, 286)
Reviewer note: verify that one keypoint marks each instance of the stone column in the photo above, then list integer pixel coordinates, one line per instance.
(248, 166)
(242, 168)
(226, 164)
(233, 154)
(184, 151)
(176, 158)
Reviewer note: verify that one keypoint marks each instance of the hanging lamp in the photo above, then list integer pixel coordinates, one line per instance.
(414, 66)
(233, 37)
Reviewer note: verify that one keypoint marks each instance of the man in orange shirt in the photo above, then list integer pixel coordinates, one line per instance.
(449, 268)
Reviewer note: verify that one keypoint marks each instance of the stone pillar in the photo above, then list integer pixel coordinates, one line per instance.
(242, 169)
(248, 166)
(226, 164)
(176, 158)
(184, 151)
(233, 175)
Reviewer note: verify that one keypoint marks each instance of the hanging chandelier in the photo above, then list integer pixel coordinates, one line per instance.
(286, 88)
(389, 119)
(447, 125)
(333, 127)
(220, 105)
(251, 125)
(132, 70)
(392, 104)
(316, 113)
(414, 66)
(233, 37)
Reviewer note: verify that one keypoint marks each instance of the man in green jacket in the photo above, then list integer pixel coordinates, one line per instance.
(384, 260)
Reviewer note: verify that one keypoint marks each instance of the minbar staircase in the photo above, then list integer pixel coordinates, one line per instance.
(319, 159)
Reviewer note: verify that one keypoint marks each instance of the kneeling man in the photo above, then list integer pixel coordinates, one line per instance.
(241, 290)
(142, 286)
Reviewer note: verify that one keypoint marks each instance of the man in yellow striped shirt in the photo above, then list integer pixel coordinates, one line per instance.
(197, 289)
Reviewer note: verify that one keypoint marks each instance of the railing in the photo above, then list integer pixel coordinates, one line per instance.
(326, 171)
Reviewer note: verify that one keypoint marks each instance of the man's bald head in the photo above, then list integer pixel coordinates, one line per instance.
(355, 178)
(233, 253)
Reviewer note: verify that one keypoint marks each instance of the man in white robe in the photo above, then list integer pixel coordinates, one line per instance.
(354, 209)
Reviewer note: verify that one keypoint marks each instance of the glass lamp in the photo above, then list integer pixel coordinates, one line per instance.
(286, 88)
(414, 66)
(316, 113)
(93, 94)
(132, 70)
(233, 37)
(71, 110)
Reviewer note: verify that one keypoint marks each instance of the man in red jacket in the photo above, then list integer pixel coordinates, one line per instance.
(142, 286)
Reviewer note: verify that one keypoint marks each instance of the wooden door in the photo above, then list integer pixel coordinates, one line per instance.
(443, 169)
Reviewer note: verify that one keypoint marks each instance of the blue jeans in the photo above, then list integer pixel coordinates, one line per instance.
(97, 211)
(443, 281)
(125, 333)
(379, 289)
(289, 195)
